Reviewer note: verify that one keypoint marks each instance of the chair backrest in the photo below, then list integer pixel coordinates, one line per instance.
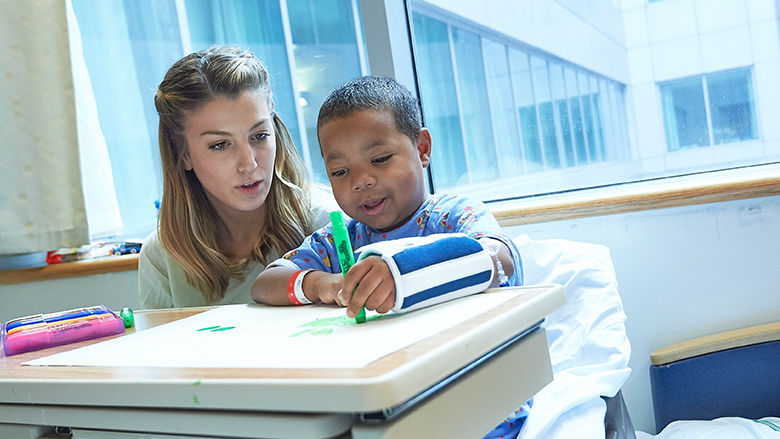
(734, 373)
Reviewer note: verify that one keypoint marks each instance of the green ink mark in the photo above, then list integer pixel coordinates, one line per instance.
(207, 328)
(224, 328)
(215, 328)
(328, 325)
(195, 399)
(196, 383)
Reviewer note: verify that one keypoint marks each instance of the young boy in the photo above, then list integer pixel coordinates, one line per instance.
(413, 249)
(376, 151)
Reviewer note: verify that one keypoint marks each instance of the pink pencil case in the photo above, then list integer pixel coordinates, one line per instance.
(54, 329)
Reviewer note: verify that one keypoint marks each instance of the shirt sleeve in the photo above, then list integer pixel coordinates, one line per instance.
(154, 289)
(472, 217)
(317, 252)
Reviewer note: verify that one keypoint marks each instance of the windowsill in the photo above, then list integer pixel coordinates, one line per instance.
(729, 185)
(86, 267)
(735, 184)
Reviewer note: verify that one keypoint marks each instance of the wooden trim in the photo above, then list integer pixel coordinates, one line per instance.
(88, 267)
(716, 342)
(633, 198)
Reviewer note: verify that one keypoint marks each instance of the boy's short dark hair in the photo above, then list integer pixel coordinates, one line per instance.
(373, 93)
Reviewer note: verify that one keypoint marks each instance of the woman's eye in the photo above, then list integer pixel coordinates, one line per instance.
(261, 136)
(218, 146)
(383, 159)
(338, 173)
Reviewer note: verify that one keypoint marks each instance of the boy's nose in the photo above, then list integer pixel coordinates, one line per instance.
(363, 182)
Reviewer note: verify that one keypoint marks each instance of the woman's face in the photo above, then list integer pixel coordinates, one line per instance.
(231, 147)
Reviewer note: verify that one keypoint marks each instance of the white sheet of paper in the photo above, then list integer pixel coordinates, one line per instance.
(257, 336)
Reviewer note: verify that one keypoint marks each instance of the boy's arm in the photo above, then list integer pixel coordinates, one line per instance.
(271, 286)
(503, 263)
(428, 270)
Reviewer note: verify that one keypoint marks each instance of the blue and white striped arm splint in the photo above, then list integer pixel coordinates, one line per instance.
(432, 269)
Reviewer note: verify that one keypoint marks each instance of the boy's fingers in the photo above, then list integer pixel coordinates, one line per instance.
(379, 295)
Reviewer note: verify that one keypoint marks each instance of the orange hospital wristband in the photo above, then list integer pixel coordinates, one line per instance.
(295, 288)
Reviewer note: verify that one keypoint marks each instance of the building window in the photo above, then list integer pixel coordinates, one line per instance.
(500, 109)
(709, 110)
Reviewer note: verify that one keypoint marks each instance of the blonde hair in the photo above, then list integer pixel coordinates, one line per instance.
(188, 222)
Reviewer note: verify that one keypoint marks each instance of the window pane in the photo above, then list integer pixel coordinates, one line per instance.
(562, 108)
(546, 116)
(731, 105)
(502, 109)
(526, 110)
(685, 117)
(475, 110)
(122, 45)
(572, 91)
(439, 100)
(326, 55)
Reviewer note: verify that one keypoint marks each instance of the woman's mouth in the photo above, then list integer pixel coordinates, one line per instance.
(250, 188)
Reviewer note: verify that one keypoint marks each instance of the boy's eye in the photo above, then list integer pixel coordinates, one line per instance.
(383, 159)
(218, 146)
(338, 173)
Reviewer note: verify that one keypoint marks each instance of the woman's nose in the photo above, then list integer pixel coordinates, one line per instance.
(246, 161)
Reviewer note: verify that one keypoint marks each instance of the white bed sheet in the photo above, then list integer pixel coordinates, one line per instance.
(589, 348)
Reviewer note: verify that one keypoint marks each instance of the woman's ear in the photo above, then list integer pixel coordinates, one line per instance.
(424, 146)
(187, 163)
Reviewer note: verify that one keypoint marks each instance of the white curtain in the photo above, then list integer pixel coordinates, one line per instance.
(103, 215)
(41, 201)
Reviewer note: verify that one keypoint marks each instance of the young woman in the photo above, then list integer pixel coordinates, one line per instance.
(235, 192)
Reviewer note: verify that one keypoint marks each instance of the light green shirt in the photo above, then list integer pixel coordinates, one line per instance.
(161, 279)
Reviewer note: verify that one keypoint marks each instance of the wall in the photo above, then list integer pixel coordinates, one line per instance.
(684, 273)
(115, 290)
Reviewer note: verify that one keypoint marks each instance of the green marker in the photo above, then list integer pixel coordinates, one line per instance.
(344, 250)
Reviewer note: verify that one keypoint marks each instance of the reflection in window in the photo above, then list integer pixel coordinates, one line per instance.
(710, 109)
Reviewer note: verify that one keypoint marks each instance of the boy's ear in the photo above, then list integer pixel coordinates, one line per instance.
(424, 146)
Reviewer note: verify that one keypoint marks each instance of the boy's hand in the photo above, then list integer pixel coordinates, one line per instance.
(320, 286)
(373, 285)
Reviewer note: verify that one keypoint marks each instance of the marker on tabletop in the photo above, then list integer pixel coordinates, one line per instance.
(344, 250)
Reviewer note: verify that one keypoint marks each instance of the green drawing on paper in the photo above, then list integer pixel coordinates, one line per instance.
(195, 399)
(215, 328)
(328, 325)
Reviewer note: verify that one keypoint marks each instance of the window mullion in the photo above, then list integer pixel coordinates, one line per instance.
(288, 46)
(707, 109)
(456, 80)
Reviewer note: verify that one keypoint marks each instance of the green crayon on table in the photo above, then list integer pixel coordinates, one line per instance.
(344, 251)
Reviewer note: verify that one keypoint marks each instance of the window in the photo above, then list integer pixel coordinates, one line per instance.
(508, 110)
(709, 110)
(308, 46)
(635, 92)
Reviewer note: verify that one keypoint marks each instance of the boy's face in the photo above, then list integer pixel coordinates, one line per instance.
(376, 171)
